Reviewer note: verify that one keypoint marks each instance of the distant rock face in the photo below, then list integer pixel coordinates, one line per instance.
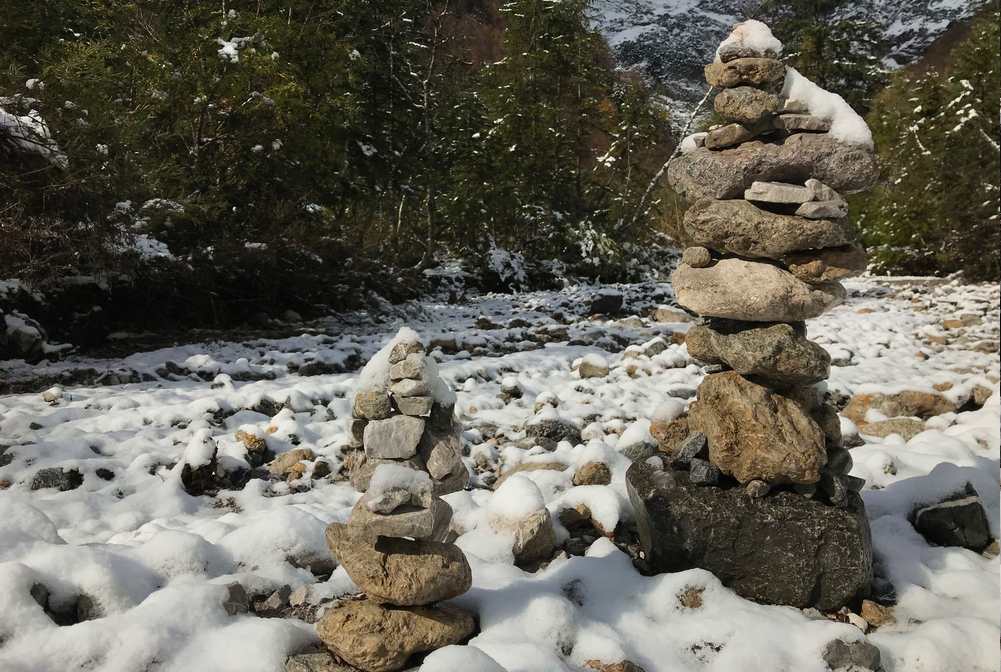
(671, 40)
(779, 549)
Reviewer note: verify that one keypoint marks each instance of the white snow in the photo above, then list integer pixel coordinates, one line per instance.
(753, 35)
(636, 434)
(157, 559)
(31, 135)
(846, 125)
(692, 142)
(516, 499)
(388, 477)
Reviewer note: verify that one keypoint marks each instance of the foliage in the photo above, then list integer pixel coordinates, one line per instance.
(835, 43)
(937, 135)
(354, 132)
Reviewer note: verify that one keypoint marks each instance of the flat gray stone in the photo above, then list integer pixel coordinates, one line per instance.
(409, 388)
(778, 192)
(775, 354)
(746, 104)
(802, 123)
(704, 173)
(822, 192)
(747, 290)
(411, 367)
(823, 210)
(729, 135)
(394, 438)
(742, 228)
(361, 473)
(419, 407)
(406, 521)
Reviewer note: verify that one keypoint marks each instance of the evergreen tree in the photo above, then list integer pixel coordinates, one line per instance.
(833, 42)
(937, 134)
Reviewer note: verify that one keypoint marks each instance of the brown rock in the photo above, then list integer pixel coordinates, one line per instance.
(400, 571)
(905, 427)
(372, 405)
(834, 263)
(756, 434)
(731, 135)
(252, 442)
(737, 289)
(697, 257)
(981, 393)
(705, 173)
(670, 435)
(744, 229)
(795, 123)
(775, 354)
(283, 464)
(401, 350)
(315, 662)
(746, 105)
(534, 539)
(763, 73)
(379, 638)
(623, 666)
(592, 473)
(908, 403)
(877, 615)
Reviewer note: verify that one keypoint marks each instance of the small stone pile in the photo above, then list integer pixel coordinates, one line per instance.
(396, 545)
(784, 522)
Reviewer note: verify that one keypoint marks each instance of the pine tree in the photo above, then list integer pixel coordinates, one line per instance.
(937, 135)
(833, 42)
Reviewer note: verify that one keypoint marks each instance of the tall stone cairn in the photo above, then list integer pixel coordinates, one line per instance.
(759, 493)
(396, 545)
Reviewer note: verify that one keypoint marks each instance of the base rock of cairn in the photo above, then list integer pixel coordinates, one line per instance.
(759, 492)
(397, 545)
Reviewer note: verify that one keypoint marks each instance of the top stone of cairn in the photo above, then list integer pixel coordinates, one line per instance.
(750, 39)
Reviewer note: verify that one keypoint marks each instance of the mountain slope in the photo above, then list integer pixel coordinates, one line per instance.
(671, 40)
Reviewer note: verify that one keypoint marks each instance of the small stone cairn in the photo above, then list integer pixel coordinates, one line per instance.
(770, 240)
(396, 545)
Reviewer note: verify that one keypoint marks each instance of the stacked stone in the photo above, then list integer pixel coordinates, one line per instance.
(766, 256)
(405, 417)
(396, 545)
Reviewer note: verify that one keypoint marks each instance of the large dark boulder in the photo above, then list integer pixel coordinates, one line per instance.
(780, 549)
(958, 520)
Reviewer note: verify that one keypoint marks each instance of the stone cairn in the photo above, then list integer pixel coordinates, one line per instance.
(759, 491)
(396, 545)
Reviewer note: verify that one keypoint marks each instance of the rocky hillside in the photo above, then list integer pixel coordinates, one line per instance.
(671, 39)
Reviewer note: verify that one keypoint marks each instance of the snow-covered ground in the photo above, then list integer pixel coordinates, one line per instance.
(155, 561)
